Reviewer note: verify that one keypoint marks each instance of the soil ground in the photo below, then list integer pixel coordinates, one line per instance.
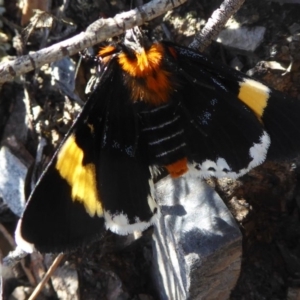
(264, 202)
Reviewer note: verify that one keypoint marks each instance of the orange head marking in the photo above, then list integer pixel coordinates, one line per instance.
(177, 168)
(105, 51)
(144, 62)
(155, 86)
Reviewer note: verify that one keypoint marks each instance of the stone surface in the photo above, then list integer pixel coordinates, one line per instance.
(197, 244)
(243, 38)
(12, 180)
(63, 77)
(64, 280)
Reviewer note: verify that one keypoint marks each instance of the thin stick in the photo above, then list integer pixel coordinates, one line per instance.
(47, 276)
(94, 34)
(216, 23)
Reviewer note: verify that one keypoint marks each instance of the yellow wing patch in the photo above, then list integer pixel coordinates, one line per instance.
(255, 95)
(81, 178)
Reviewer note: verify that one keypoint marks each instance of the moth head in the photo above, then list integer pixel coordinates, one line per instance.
(135, 42)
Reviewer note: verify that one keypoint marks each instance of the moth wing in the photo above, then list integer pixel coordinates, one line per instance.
(123, 174)
(277, 112)
(95, 177)
(282, 122)
(64, 209)
(224, 137)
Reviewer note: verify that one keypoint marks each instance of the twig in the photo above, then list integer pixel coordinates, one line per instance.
(94, 34)
(105, 28)
(7, 236)
(47, 276)
(14, 257)
(216, 23)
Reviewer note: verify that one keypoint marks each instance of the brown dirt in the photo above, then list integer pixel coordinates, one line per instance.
(265, 202)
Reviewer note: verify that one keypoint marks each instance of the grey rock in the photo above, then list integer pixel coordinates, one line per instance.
(197, 244)
(63, 77)
(64, 280)
(12, 180)
(242, 38)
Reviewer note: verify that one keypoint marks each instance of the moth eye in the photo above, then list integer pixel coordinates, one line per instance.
(211, 169)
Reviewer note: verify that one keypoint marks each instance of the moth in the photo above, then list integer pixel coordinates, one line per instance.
(157, 105)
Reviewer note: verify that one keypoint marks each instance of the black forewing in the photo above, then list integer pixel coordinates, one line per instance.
(52, 221)
(124, 178)
(221, 131)
(280, 117)
(106, 133)
(282, 121)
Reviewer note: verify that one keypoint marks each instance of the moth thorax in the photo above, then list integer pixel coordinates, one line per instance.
(147, 80)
